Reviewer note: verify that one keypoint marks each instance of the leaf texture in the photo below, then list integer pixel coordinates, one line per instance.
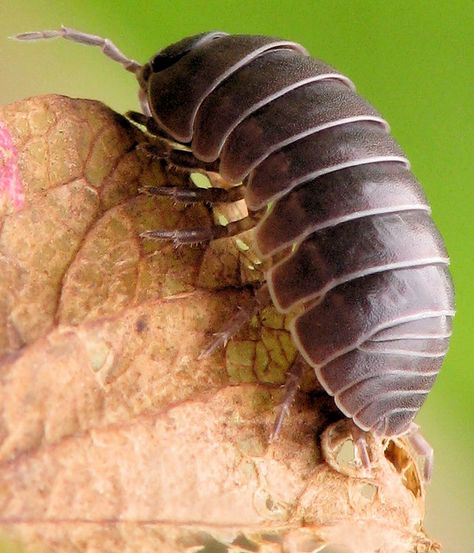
(114, 436)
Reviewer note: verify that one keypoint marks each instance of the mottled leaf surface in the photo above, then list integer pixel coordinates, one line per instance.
(114, 437)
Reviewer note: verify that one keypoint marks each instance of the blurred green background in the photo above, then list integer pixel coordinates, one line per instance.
(413, 59)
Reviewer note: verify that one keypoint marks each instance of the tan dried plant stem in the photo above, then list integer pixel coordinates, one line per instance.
(114, 436)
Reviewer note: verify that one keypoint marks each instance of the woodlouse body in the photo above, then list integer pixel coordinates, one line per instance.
(366, 263)
(344, 223)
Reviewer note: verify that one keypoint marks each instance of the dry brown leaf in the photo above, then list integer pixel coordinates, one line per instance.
(114, 437)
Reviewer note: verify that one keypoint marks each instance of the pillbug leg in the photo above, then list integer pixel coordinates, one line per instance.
(147, 121)
(164, 149)
(202, 234)
(143, 99)
(108, 47)
(292, 384)
(242, 317)
(195, 195)
(422, 448)
(221, 338)
(180, 160)
(361, 449)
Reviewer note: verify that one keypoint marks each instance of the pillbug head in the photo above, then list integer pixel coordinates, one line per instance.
(165, 63)
(172, 54)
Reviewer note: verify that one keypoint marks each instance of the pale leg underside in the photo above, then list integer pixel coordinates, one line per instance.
(423, 449)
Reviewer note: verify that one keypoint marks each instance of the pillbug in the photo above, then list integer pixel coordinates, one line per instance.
(337, 214)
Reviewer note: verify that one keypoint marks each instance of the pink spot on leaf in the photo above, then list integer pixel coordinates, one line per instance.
(10, 178)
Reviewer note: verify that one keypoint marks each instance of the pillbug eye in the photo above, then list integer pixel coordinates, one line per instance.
(172, 54)
(163, 61)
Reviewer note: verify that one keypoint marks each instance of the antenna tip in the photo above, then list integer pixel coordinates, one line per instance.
(35, 35)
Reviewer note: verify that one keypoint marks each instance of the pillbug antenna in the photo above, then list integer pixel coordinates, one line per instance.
(108, 47)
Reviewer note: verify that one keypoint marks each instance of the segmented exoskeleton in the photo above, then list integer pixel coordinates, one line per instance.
(339, 216)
